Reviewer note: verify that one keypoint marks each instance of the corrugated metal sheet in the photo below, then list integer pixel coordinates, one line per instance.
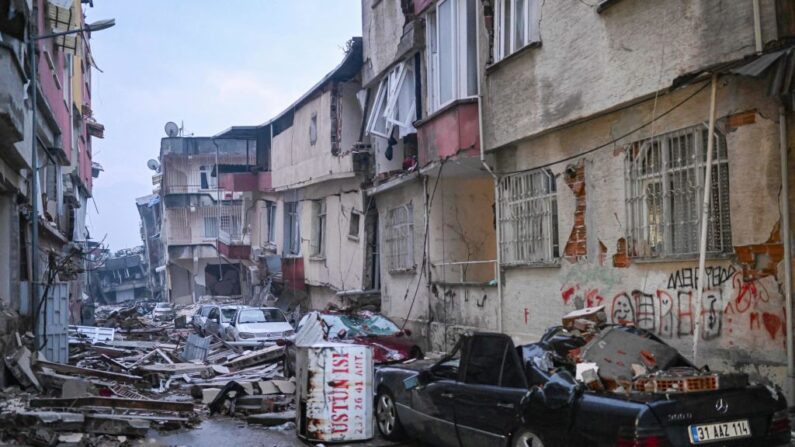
(334, 392)
(56, 319)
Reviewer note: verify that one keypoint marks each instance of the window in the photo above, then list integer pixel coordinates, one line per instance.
(528, 218)
(270, 210)
(68, 71)
(517, 26)
(400, 238)
(485, 360)
(211, 227)
(313, 129)
(292, 227)
(452, 52)
(353, 225)
(208, 178)
(319, 228)
(230, 224)
(395, 103)
(665, 181)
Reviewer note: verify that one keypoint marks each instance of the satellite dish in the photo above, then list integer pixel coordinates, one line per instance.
(153, 165)
(172, 130)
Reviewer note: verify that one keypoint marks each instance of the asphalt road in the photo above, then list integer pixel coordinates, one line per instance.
(227, 432)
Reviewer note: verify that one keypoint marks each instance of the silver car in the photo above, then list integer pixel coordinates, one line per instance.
(163, 312)
(200, 317)
(219, 320)
(260, 324)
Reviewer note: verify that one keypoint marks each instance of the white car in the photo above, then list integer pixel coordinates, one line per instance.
(219, 320)
(260, 324)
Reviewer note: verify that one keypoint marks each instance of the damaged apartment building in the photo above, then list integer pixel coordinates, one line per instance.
(532, 158)
(203, 226)
(312, 230)
(62, 124)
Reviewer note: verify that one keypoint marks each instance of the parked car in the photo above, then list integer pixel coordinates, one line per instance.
(264, 324)
(390, 343)
(200, 317)
(163, 312)
(486, 392)
(219, 319)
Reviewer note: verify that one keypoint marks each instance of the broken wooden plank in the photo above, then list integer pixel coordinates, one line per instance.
(113, 363)
(269, 354)
(174, 368)
(111, 402)
(69, 369)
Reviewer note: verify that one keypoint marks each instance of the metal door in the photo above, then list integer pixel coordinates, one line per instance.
(55, 321)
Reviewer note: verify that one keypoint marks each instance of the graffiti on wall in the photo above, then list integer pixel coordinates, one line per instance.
(729, 303)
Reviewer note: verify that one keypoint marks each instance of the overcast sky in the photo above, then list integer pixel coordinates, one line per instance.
(210, 64)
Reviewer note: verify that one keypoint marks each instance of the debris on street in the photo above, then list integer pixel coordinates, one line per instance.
(131, 374)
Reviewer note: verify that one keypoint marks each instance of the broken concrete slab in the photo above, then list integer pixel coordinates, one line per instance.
(257, 357)
(115, 425)
(76, 387)
(19, 363)
(272, 419)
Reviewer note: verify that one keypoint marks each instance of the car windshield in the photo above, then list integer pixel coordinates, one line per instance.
(261, 316)
(228, 314)
(359, 325)
(206, 311)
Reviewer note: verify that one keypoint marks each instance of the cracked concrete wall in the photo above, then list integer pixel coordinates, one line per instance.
(742, 315)
(588, 63)
(382, 28)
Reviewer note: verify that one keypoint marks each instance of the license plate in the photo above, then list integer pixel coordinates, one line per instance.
(704, 433)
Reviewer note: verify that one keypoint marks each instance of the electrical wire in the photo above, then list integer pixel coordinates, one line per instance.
(615, 140)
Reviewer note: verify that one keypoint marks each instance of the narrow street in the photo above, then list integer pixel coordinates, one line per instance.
(454, 223)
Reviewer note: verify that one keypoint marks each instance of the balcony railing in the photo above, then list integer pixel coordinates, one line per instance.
(202, 225)
(191, 174)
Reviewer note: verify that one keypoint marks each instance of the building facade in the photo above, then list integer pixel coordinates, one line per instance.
(589, 187)
(63, 132)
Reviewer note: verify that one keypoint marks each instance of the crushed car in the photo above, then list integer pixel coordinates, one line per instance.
(390, 343)
(585, 383)
(163, 312)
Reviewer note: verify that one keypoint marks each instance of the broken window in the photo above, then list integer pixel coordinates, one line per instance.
(395, 103)
(313, 129)
(318, 228)
(452, 52)
(517, 26)
(665, 190)
(400, 238)
(353, 225)
(292, 233)
(529, 218)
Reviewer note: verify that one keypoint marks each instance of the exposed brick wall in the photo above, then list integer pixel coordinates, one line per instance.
(761, 260)
(577, 245)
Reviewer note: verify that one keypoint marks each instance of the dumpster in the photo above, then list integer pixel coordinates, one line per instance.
(334, 392)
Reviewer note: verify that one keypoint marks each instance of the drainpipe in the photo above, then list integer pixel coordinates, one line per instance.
(785, 238)
(757, 27)
(496, 178)
(702, 252)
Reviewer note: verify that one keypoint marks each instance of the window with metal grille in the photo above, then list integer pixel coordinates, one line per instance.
(400, 238)
(529, 218)
(665, 190)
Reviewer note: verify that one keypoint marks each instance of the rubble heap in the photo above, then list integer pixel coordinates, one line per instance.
(131, 375)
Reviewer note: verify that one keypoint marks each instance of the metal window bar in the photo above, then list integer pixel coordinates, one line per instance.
(528, 218)
(400, 238)
(664, 182)
(182, 174)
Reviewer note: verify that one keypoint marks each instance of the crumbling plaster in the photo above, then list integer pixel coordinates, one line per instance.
(589, 63)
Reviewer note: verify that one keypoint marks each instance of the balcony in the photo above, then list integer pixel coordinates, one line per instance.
(12, 106)
(245, 181)
(196, 174)
(200, 225)
(238, 247)
(452, 130)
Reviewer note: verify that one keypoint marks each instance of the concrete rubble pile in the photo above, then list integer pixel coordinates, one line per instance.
(131, 375)
(621, 358)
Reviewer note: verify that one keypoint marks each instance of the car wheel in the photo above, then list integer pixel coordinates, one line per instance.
(387, 417)
(416, 353)
(527, 438)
